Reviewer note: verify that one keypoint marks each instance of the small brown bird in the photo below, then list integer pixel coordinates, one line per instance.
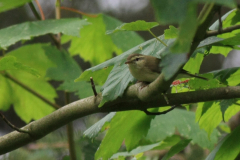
(146, 68)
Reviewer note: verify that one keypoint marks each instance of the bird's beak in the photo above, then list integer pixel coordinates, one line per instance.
(127, 62)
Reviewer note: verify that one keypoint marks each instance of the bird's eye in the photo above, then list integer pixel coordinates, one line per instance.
(137, 59)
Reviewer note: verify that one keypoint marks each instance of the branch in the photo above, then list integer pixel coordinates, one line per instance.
(87, 106)
(225, 30)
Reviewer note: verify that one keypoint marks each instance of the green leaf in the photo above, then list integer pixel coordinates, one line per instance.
(165, 144)
(82, 89)
(227, 148)
(136, 151)
(194, 63)
(93, 131)
(176, 148)
(215, 25)
(25, 31)
(224, 104)
(200, 84)
(99, 76)
(33, 56)
(10, 4)
(139, 25)
(202, 108)
(171, 63)
(10, 63)
(227, 76)
(133, 129)
(66, 68)
(119, 74)
(187, 31)
(211, 118)
(171, 33)
(6, 92)
(94, 46)
(224, 50)
(211, 115)
(26, 105)
(182, 121)
(123, 40)
(166, 11)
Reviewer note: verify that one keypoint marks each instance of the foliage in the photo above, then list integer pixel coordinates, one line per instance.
(96, 40)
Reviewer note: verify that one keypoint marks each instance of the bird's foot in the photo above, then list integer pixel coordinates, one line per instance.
(143, 84)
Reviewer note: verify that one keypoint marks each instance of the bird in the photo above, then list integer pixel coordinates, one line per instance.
(145, 68)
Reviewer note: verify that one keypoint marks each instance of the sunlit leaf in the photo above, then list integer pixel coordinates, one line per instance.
(170, 33)
(28, 106)
(194, 63)
(94, 45)
(10, 63)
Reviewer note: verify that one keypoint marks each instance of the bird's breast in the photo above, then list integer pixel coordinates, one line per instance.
(143, 74)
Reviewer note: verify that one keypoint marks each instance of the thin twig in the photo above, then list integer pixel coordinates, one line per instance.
(157, 37)
(40, 9)
(93, 87)
(54, 39)
(30, 90)
(159, 113)
(12, 126)
(79, 12)
(225, 30)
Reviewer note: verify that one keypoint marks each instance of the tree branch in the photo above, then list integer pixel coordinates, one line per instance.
(225, 30)
(87, 106)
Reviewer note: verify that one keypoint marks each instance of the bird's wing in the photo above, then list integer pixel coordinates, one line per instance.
(154, 66)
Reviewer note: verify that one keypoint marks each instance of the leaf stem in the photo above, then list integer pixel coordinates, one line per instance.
(157, 37)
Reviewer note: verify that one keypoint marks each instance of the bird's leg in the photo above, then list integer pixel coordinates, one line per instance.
(143, 84)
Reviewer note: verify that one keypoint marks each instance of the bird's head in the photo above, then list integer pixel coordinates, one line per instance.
(136, 60)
